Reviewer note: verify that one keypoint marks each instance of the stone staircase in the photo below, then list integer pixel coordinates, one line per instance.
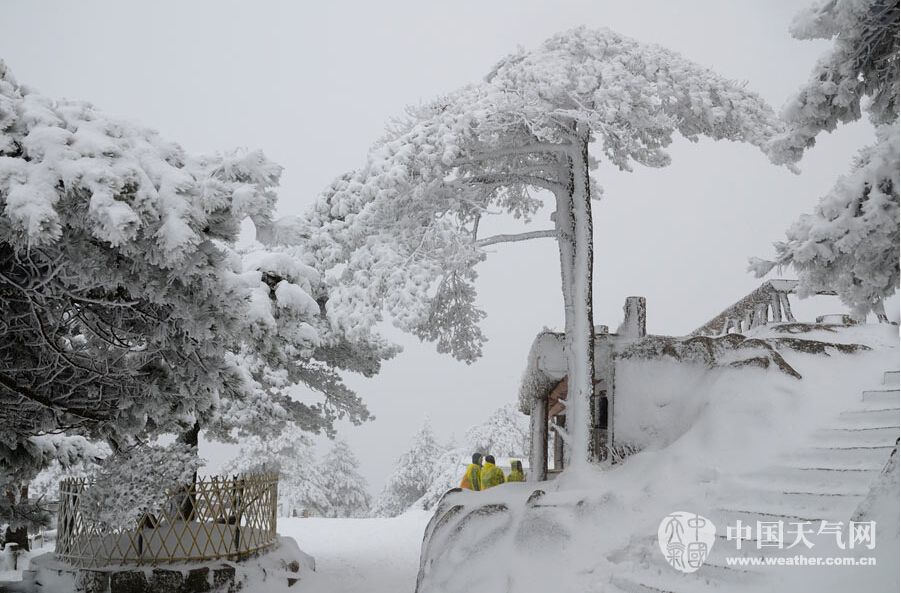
(826, 480)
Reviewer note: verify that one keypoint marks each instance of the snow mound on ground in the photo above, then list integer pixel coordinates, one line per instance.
(278, 569)
(701, 426)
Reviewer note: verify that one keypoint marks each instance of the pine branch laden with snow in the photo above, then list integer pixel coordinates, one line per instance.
(413, 474)
(45, 485)
(398, 237)
(862, 64)
(850, 242)
(127, 309)
(40, 462)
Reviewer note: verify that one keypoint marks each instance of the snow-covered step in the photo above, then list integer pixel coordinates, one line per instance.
(672, 581)
(881, 396)
(729, 516)
(726, 548)
(813, 479)
(714, 568)
(856, 437)
(872, 458)
(891, 378)
(883, 416)
(798, 503)
(630, 586)
(797, 507)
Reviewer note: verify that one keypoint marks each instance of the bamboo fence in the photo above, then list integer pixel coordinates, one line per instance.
(213, 518)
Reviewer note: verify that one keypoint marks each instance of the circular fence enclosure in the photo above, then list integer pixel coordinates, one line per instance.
(214, 518)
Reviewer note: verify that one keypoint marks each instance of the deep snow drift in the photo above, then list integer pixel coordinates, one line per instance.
(739, 443)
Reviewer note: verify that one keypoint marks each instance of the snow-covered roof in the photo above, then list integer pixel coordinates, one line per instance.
(546, 364)
(547, 357)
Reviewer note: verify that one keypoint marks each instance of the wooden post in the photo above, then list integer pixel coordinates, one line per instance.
(786, 307)
(538, 446)
(611, 404)
(635, 317)
(776, 306)
(558, 443)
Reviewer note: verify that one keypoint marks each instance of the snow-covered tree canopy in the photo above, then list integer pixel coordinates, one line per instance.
(402, 231)
(850, 242)
(400, 235)
(126, 308)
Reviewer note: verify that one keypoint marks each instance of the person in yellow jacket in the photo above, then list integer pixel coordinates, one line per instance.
(516, 474)
(472, 479)
(492, 475)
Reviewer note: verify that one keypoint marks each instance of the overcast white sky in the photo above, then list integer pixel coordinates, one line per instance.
(313, 84)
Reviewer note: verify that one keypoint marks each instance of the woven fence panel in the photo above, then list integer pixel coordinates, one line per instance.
(213, 518)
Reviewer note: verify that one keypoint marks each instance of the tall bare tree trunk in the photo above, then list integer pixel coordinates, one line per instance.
(190, 437)
(580, 341)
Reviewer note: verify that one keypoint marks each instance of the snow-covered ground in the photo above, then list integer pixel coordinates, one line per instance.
(22, 562)
(360, 555)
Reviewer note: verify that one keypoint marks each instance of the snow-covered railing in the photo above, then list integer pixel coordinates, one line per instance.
(766, 304)
(213, 518)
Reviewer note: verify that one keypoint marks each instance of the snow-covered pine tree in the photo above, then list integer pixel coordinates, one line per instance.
(127, 309)
(400, 235)
(504, 434)
(412, 475)
(449, 469)
(850, 242)
(345, 488)
(302, 485)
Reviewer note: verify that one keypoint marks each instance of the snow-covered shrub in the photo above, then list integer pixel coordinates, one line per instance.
(138, 482)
